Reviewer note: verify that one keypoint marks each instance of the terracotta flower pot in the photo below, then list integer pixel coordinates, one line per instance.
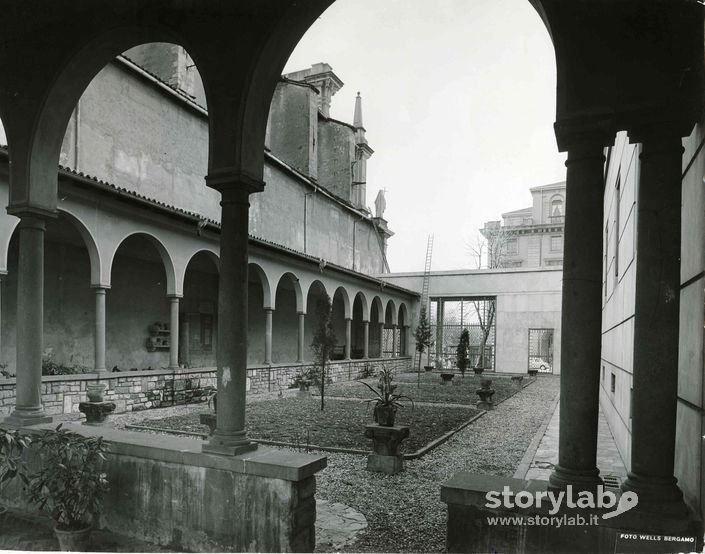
(76, 540)
(95, 391)
(384, 415)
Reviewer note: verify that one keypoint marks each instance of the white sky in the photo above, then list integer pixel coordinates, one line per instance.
(458, 104)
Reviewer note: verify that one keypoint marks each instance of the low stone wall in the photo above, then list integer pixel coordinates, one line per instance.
(141, 390)
(164, 490)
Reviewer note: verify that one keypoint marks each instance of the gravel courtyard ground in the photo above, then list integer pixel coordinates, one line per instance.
(404, 511)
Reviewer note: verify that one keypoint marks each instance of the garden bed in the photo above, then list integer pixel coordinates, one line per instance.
(461, 390)
(299, 421)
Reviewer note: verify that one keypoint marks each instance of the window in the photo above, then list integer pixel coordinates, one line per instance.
(512, 247)
(556, 215)
(556, 243)
(613, 382)
(617, 194)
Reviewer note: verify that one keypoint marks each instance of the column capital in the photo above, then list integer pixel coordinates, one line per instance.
(657, 127)
(98, 287)
(232, 181)
(26, 211)
(174, 296)
(584, 132)
(268, 309)
(657, 136)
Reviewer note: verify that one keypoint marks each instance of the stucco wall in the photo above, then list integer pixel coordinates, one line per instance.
(526, 299)
(130, 133)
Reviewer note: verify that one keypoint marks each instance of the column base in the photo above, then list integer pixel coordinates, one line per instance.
(657, 497)
(228, 445)
(579, 480)
(20, 418)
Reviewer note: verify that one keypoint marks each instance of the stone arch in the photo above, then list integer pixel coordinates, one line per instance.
(212, 256)
(378, 307)
(316, 284)
(288, 303)
(90, 244)
(256, 269)
(390, 313)
(345, 298)
(12, 223)
(363, 305)
(294, 280)
(403, 315)
(68, 70)
(169, 268)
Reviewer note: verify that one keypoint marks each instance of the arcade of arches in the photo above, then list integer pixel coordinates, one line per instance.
(631, 65)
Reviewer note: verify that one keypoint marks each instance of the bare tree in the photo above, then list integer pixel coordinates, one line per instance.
(490, 248)
(485, 309)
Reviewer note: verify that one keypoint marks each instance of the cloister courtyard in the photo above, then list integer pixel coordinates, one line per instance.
(359, 510)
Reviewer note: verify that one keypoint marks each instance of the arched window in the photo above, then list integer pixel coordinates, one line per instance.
(557, 209)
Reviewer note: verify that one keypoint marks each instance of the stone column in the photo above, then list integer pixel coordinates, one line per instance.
(302, 326)
(99, 339)
(656, 325)
(30, 323)
(439, 331)
(395, 338)
(366, 339)
(581, 320)
(230, 436)
(173, 332)
(381, 340)
(348, 337)
(268, 315)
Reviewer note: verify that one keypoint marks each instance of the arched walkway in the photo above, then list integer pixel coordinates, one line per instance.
(138, 322)
(285, 339)
(198, 312)
(259, 317)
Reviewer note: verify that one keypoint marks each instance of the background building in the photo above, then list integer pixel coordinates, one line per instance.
(530, 237)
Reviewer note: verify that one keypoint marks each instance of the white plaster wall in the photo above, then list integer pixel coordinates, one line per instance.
(526, 299)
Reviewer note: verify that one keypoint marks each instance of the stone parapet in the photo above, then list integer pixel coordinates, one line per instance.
(132, 391)
(164, 490)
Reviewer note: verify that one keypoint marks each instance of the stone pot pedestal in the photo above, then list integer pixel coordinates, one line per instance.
(96, 412)
(385, 457)
(208, 419)
(485, 393)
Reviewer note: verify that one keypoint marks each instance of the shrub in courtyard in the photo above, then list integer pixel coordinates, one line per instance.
(324, 342)
(422, 335)
(461, 354)
(12, 444)
(70, 480)
(50, 367)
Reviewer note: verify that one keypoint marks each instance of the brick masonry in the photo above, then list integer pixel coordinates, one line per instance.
(142, 390)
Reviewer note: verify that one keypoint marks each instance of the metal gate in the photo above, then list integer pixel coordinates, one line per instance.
(450, 316)
(541, 350)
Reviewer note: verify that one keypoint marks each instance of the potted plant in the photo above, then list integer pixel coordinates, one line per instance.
(70, 481)
(302, 380)
(461, 354)
(386, 400)
(12, 444)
